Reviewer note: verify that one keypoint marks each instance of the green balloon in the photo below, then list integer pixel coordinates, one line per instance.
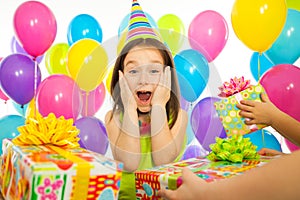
(172, 31)
(293, 4)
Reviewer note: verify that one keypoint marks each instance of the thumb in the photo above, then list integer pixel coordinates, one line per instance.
(264, 97)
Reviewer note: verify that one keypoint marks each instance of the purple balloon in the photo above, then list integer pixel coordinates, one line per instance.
(17, 48)
(19, 77)
(206, 123)
(92, 134)
(184, 104)
(193, 151)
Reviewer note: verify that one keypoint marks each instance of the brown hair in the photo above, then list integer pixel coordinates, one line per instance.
(173, 105)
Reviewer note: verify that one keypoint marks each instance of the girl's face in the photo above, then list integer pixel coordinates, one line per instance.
(143, 67)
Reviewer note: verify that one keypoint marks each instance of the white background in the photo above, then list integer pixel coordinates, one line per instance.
(234, 59)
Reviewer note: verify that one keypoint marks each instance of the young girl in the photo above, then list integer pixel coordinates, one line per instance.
(146, 127)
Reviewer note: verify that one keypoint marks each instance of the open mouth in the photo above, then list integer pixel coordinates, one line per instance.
(144, 96)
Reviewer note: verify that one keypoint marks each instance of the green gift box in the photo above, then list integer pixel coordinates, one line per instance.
(229, 114)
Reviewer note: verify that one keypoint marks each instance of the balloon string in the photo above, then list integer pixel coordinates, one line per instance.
(23, 110)
(258, 66)
(86, 103)
(35, 84)
(263, 137)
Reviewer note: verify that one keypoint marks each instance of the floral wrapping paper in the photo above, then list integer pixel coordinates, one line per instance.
(229, 114)
(36, 172)
(149, 181)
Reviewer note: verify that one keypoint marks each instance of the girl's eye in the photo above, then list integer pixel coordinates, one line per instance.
(133, 71)
(154, 71)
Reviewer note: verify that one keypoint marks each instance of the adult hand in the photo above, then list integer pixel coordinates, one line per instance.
(162, 92)
(192, 187)
(126, 94)
(269, 152)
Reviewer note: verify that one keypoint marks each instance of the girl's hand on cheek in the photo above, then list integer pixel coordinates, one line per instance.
(162, 92)
(126, 94)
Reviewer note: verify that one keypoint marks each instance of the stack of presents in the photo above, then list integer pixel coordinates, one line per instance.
(53, 166)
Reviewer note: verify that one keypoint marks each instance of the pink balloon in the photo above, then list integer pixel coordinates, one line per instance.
(93, 100)
(282, 84)
(3, 96)
(35, 27)
(208, 34)
(292, 147)
(60, 95)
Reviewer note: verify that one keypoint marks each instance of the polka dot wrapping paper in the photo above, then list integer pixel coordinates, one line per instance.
(229, 114)
(149, 181)
(39, 172)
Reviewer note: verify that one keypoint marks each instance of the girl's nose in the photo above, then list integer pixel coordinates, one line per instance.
(143, 79)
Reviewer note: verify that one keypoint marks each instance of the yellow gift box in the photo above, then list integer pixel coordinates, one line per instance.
(229, 114)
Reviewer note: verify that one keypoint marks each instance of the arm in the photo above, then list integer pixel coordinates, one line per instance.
(278, 179)
(266, 112)
(124, 135)
(166, 143)
(124, 139)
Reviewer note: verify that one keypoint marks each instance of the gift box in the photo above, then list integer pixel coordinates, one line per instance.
(50, 172)
(229, 114)
(149, 181)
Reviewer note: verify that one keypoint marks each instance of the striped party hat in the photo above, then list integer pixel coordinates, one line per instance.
(139, 25)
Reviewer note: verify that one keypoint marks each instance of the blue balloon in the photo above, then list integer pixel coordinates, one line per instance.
(286, 48)
(125, 22)
(193, 73)
(9, 125)
(264, 139)
(259, 64)
(21, 109)
(189, 129)
(84, 26)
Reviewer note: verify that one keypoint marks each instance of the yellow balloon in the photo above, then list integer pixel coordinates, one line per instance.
(108, 79)
(258, 23)
(172, 30)
(56, 59)
(87, 63)
(121, 42)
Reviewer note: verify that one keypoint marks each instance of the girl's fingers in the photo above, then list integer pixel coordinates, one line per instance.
(248, 103)
(264, 97)
(169, 78)
(244, 107)
(246, 114)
